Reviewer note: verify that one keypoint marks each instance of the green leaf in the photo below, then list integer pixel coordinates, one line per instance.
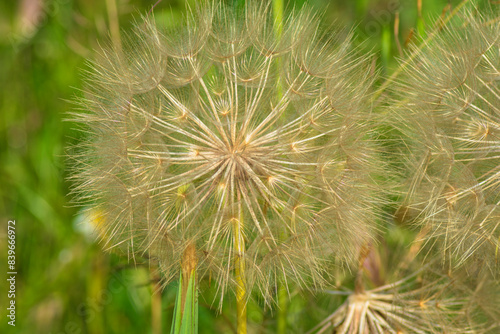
(186, 319)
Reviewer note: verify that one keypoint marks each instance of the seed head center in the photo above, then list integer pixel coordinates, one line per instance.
(240, 157)
(237, 153)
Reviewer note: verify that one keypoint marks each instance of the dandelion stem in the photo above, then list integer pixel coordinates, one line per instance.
(278, 9)
(278, 17)
(283, 308)
(114, 25)
(282, 290)
(239, 272)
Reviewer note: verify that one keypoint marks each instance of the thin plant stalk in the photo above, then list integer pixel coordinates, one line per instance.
(420, 20)
(283, 308)
(114, 25)
(239, 272)
(278, 16)
(278, 8)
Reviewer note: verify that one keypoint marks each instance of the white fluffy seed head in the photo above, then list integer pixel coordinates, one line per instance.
(225, 123)
(449, 99)
(395, 293)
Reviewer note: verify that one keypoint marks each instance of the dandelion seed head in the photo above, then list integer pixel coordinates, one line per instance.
(402, 296)
(218, 125)
(451, 93)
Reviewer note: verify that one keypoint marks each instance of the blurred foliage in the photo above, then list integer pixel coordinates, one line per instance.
(65, 282)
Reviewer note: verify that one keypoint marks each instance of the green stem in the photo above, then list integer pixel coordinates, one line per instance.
(278, 10)
(278, 7)
(283, 308)
(114, 25)
(239, 272)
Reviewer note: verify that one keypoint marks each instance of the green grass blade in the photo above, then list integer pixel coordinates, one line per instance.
(186, 318)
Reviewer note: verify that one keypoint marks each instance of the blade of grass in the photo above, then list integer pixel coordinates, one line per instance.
(420, 20)
(186, 305)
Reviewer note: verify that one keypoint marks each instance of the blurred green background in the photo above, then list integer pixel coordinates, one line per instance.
(65, 282)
